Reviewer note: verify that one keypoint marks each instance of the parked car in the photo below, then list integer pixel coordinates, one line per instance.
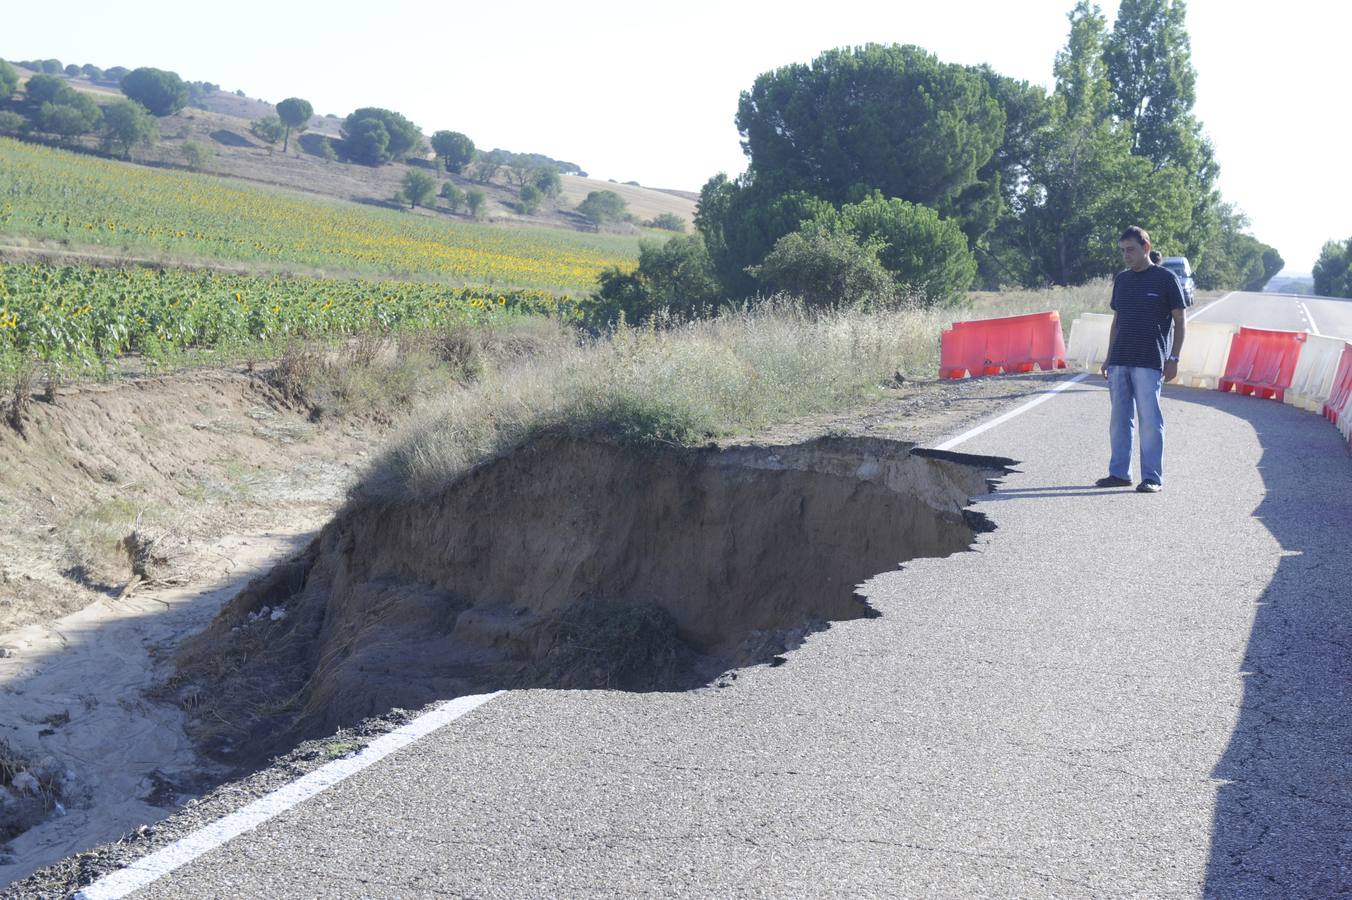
(1183, 272)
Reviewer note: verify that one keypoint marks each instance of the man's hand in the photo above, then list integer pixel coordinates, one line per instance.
(1103, 370)
(1170, 370)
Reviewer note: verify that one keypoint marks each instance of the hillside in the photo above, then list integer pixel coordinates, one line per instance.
(223, 128)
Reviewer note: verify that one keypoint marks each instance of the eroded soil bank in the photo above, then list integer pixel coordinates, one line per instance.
(570, 563)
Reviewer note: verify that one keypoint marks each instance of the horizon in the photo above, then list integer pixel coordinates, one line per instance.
(677, 127)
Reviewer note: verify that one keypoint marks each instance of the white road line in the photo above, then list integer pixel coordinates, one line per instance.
(1000, 420)
(1210, 306)
(1309, 318)
(156, 865)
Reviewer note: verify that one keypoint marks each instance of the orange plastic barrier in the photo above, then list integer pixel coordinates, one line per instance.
(1009, 344)
(1262, 362)
(1339, 403)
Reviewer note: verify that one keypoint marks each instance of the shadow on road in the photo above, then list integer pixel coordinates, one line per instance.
(1283, 821)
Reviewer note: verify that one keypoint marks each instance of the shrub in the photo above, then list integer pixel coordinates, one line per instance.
(600, 207)
(454, 197)
(195, 154)
(675, 277)
(11, 122)
(926, 254)
(418, 188)
(827, 266)
(666, 222)
(475, 199)
(268, 129)
(528, 201)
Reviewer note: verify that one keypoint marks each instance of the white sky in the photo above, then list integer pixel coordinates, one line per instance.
(647, 91)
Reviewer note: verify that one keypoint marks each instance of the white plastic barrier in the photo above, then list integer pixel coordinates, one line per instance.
(1205, 349)
(1315, 369)
(1089, 340)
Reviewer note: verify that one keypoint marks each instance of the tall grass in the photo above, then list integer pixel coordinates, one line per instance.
(1070, 302)
(735, 373)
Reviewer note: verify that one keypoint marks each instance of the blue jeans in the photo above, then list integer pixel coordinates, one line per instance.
(1136, 393)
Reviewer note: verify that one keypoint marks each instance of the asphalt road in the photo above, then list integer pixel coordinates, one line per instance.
(1328, 316)
(1115, 694)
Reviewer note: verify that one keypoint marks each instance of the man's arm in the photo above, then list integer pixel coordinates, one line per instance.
(1180, 331)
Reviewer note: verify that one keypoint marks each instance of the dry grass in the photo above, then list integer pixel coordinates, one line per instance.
(376, 376)
(1090, 297)
(739, 372)
(685, 383)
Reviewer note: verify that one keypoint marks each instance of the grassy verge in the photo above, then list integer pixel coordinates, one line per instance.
(1090, 297)
(739, 372)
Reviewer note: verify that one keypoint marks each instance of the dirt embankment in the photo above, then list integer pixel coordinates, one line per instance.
(570, 563)
(180, 459)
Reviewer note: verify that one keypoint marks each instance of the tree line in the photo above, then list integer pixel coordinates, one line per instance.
(882, 171)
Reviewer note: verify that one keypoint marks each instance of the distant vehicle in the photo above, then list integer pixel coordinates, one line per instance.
(1183, 272)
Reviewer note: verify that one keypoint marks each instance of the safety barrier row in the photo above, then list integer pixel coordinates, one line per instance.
(1008, 344)
(1305, 370)
(1202, 362)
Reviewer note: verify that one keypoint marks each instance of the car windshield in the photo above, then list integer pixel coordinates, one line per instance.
(1177, 269)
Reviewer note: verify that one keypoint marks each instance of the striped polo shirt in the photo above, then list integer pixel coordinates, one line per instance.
(1144, 303)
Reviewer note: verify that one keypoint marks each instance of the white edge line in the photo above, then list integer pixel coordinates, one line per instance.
(1211, 305)
(1309, 319)
(154, 866)
(999, 420)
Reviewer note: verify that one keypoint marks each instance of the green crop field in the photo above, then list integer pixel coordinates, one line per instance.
(92, 202)
(81, 317)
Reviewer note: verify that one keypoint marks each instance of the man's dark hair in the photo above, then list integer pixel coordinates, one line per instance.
(1135, 233)
(1156, 257)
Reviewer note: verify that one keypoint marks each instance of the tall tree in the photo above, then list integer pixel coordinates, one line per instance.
(1148, 57)
(126, 124)
(1085, 185)
(1149, 62)
(295, 115)
(453, 148)
(161, 92)
(402, 137)
(990, 210)
(1333, 269)
(886, 117)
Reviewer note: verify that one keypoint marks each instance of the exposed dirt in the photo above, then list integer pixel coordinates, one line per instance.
(570, 563)
(188, 457)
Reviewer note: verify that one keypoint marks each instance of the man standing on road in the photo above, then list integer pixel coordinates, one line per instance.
(1143, 348)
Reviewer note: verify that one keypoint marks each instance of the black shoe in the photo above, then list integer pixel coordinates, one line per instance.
(1149, 487)
(1112, 481)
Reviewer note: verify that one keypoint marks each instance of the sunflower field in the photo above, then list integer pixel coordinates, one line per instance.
(59, 195)
(85, 316)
